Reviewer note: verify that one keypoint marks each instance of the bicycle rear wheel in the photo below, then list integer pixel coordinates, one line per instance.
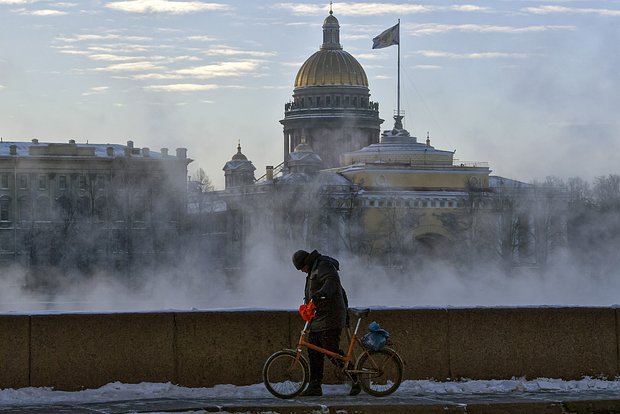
(286, 374)
(380, 372)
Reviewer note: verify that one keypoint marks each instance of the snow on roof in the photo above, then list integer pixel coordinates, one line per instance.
(497, 181)
(23, 149)
(332, 178)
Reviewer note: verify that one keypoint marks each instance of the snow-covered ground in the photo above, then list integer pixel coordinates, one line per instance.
(118, 391)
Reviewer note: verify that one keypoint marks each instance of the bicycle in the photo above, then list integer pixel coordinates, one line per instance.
(286, 373)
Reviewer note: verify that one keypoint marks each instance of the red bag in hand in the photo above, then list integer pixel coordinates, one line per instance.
(307, 311)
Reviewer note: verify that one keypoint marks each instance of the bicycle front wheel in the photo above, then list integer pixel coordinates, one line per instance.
(286, 374)
(380, 372)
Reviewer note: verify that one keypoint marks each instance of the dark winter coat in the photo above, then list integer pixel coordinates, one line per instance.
(324, 288)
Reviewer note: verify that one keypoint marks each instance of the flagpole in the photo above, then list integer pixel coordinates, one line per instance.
(398, 75)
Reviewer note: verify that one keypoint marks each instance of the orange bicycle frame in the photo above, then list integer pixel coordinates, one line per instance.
(345, 358)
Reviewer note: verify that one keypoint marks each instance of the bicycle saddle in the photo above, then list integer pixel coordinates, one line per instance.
(360, 312)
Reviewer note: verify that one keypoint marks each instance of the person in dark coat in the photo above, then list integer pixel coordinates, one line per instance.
(323, 287)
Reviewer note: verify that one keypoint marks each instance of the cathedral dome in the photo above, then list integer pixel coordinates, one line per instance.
(330, 67)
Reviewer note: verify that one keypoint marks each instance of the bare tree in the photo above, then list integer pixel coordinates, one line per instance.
(398, 223)
(548, 210)
(203, 181)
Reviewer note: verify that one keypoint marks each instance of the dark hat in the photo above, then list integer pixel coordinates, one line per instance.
(299, 257)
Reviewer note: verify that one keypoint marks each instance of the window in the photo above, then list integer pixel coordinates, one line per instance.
(42, 209)
(25, 209)
(4, 181)
(82, 181)
(62, 182)
(5, 205)
(100, 182)
(42, 182)
(100, 208)
(23, 181)
(337, 100)
(83, 206)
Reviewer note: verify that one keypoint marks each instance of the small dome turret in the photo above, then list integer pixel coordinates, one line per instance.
(239, 156)
(239, 171)
(303, 159)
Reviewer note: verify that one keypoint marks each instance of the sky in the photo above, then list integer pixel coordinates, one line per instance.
(530, 87)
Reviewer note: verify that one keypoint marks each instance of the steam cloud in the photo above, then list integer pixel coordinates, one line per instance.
(586, 272)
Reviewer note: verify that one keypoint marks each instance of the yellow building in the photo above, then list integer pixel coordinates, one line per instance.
(343, 188)
(409, 188)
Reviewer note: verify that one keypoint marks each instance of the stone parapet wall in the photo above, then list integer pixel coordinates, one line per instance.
(201, 349)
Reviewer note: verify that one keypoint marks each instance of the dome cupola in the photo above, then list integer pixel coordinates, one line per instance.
(331, 107)
(239, 171)
(239, 156)
(331, 65)
(331, 33)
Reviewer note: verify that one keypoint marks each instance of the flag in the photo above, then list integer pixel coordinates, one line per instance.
(388, 38)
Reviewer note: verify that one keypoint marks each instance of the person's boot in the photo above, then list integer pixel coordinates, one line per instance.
(355, 388)
(313, 390)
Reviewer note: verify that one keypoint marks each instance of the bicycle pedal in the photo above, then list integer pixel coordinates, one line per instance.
(341, 375)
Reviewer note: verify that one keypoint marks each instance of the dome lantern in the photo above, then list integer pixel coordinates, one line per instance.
(331, 65)
(331, 32)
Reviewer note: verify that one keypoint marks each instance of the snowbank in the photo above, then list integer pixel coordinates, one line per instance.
(118, 391)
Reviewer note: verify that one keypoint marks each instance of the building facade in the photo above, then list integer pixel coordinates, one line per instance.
(88, 206)
(345, 189)
(331, 108)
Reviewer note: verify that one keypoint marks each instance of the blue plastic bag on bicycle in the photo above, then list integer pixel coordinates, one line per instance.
(376, 338)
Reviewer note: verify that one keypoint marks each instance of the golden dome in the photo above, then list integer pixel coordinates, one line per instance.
(329, 67)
